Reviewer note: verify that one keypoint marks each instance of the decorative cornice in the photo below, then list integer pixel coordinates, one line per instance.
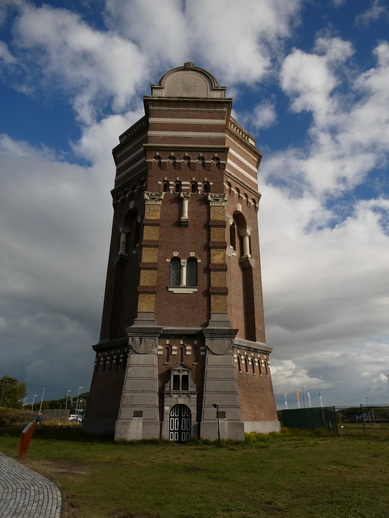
(217, 199)
(153, 198)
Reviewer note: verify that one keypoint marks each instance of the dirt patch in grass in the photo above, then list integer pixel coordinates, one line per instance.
(62, 468)
(121, 513)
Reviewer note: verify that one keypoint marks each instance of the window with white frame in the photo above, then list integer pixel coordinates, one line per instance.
(183, 276)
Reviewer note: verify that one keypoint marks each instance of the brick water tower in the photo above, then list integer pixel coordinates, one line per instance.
(182, 349)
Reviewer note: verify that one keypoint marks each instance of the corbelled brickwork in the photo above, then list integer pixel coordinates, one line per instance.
(182, 350)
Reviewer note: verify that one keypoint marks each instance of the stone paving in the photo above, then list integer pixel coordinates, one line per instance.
(25, 493)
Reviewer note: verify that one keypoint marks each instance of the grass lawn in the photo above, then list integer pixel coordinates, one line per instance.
(278, 475)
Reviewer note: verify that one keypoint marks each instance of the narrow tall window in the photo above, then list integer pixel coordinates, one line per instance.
(206, 187)
(233, 235)
(194, 188)
(195, 354)
(185, 382)
(175, 271)
(165, 186)
(177, 187)
(191, 272)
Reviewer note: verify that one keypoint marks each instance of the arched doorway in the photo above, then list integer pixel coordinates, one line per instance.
(180, 422)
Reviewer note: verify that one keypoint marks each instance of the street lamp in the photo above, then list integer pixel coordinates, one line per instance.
(43, 395)
(78, 395)
(67, 396)
(33, 399)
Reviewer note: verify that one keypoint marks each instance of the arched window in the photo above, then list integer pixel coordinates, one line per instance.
(165, 186)
(206, 188)
(167, 354)
(194, 187)
(233, 235)
(253, 364)
(175, 271)
(158, 160)
(129, 233)
(202, 161)
(216, 161)
(172, 160)
(195, 350)
(191, 272)
(177, 187)
(186, 161)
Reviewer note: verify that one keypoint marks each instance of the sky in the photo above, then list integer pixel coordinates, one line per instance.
(310, 81)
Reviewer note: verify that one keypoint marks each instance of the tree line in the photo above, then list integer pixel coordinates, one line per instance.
(13, 392)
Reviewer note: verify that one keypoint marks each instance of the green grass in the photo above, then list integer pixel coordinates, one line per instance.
(277, 475)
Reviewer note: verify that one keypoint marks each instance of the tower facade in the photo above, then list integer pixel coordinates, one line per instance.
(182, 349)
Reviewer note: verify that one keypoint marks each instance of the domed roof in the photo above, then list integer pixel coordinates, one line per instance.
(188, 81)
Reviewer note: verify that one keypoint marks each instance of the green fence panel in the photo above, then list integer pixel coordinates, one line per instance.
(310, 418)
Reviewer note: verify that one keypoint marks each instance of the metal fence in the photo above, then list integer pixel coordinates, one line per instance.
(370, 420)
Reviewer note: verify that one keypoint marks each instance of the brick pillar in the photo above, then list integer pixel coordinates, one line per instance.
(139, 407)
(149, 259)
(220, 385)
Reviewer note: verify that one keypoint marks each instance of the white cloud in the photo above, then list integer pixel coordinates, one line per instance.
(349, 135)
(325, 291)
(287, 377)
(54, 234)
(94, 67)
(5, 54)
(237, 41)
(309, 79)
(98, 140)
(264, 115)
(376, 11)
(102, 69)
(168, 35)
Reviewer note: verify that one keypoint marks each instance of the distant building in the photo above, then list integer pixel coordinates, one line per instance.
(182, 336)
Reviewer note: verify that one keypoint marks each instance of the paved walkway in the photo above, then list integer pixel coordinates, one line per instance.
(26, 494)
